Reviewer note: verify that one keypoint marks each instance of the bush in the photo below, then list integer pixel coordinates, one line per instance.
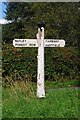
(59, 62)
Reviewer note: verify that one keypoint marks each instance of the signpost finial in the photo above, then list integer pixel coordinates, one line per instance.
(41, 24)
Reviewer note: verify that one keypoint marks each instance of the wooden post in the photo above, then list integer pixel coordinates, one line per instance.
(40, 75)
(40, 43)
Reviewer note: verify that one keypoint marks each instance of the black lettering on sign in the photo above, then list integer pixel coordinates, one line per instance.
(20, 40)
(56, 41)
(53, 41)
(32, 44)
(20, 44)
(52, 45)
(16, 40)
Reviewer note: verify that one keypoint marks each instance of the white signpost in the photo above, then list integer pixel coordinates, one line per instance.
(34, 43)
(40, 42)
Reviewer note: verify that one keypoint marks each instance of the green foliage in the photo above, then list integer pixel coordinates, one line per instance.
(60, 63)
(62, 21)
(61, 84)
(16, 104)
(18, 62)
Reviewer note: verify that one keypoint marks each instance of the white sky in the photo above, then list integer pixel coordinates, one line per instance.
(3, 21)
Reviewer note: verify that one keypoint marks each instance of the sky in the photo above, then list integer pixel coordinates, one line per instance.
(2, 14)
(2, 8)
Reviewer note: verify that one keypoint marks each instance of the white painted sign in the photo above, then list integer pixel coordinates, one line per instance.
(34, 43)
(25, 43)
(54, 43)
(40, 42)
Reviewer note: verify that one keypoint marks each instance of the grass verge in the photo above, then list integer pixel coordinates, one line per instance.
(18, 102)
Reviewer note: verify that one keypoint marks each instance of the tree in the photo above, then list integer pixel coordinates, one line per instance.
(61, 20)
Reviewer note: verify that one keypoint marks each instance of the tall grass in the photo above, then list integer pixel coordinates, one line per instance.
(21, 87)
